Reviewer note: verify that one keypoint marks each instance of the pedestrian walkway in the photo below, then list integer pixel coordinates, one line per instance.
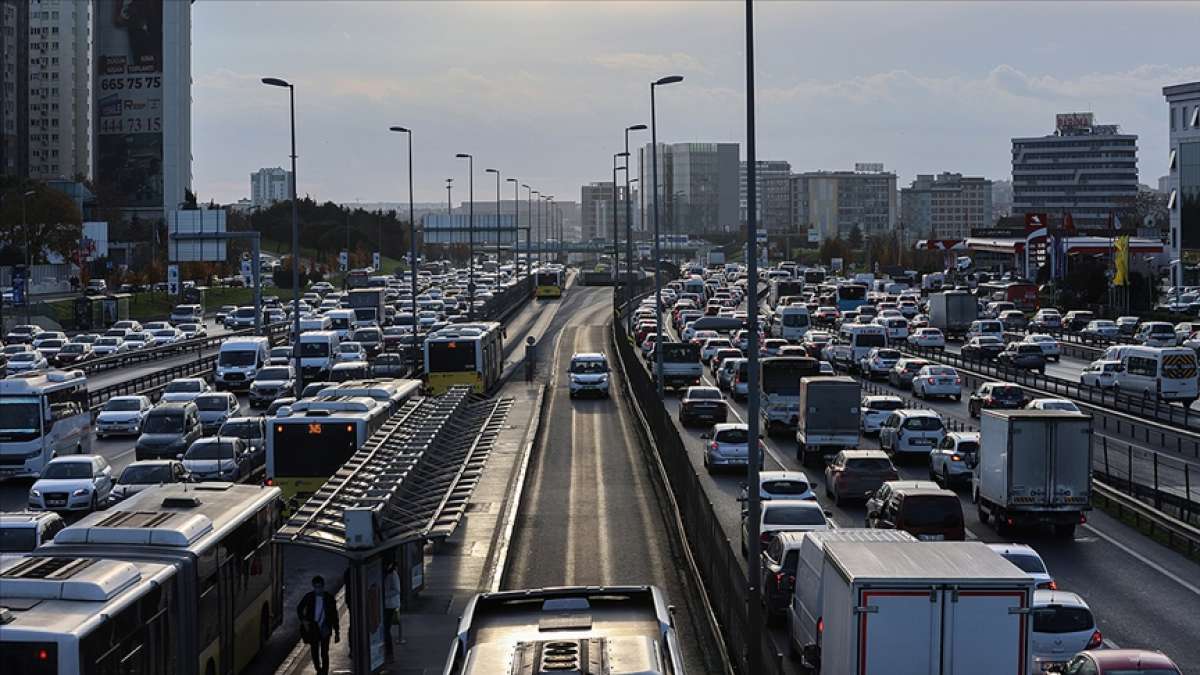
(468, 562)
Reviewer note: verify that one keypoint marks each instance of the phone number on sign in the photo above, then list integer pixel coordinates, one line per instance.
(131, 83)
(131, 125)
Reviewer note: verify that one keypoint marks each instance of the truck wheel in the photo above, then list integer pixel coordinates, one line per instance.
(983, 515)
(1065, 530)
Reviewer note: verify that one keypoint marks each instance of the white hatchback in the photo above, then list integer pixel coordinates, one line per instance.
(1063, 626)
(1050, 346)
(876, 409)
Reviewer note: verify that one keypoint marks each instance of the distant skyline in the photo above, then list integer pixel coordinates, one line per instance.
(543, 90)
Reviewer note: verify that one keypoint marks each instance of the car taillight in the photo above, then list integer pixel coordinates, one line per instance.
(713, 446)
(1096, 640)
(1048, 586)
(955, 458)
(820, 625)
(765, 537)
(958, 380)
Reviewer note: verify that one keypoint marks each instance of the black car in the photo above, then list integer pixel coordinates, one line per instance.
(982, 348)
(996, 395)
(1026, 356)
(703, 404)
(72, 353)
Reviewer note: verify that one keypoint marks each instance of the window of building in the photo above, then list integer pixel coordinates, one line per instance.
(1196, 117)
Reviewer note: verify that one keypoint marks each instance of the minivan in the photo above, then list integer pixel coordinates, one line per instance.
(187, 314)
(238, 361)
(167, 431)
(927, 513)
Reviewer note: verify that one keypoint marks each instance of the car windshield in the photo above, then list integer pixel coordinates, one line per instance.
(891, 354)
(732, 436)
(785, 487)
(873, 464)
(967, 447)
(704, 394)
(243, 430)
(72, 348)
(1006, 392)
(793, 515)
(914, 366)
(349, 348)
(1027, 563)
(932, 512)
(923, 423)
(941, 371)
(183, 386)
(108, 341)
(164, 423)
(588, 367)
(1058, 619)
(146, 474)
(214, 402)
(888, 404)
(58, 470)
(212, 449)
(237, 357)
(24, 356)
(314, 349)
(267, 374)
(122, 405)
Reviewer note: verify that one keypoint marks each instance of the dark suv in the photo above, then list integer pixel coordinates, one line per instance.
(168, 430)
(929, 514)
(995, 395)
(1026, 356)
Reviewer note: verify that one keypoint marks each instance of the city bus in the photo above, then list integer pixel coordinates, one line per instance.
(550, 282)
(850, 296)
(180, 578)
(315, 438)
(465, 354)
(394, 393)
(43, 414)
(779, 385)
(784, 287)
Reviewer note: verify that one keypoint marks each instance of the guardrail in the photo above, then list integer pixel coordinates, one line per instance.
(1066, 348)
(274, 331)
(151, 384)
(1175, 534)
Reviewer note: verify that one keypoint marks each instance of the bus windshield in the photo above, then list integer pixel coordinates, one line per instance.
(451, 357)
(852, 292)
(547, 279)
(19, 415)
(312, 450)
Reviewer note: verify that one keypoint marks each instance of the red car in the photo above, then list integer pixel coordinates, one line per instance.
(1120, 661)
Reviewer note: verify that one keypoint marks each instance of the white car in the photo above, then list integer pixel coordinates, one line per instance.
(184, 389)
(147, 473)
(781, 485)
(1101, 374)
(166, 336)
(193, 330)
(1028, 561)
(1063, 626)
(122, 416)
(937, 381)
(1104, 328)
(25, 362)
(45, 336)
(107, 345)
(711, 346)
(23, 531)
(911, 431)
(953, 459)
(876, 409)
(72, 483)
(588, 374)
(1059, 404)
(351, 351)
(786, 515)
(156, 325)
(928, 338)
(140, 340)
(878, 362)
(1050, 346)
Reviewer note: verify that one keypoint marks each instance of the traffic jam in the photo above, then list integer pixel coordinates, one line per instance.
(870, 435)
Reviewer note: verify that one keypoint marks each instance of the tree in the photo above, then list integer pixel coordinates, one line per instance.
(52, 222)
(855, 239)
(834, 248)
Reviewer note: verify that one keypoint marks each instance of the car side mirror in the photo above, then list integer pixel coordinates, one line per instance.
(179, 456)
(705, 436)
(827, 512)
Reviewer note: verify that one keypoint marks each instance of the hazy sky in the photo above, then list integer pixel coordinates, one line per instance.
(543, 90)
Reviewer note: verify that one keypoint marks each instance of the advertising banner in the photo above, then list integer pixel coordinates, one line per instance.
(374, 601)
(128, 51)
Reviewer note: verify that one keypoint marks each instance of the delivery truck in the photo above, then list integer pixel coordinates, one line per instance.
(952, 312)
(944, 608)
(1033, 467)
(804, 611)
(827, 419)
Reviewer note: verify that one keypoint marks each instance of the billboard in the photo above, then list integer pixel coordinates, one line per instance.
(128, 110)
(1071, 121)
(196, 221)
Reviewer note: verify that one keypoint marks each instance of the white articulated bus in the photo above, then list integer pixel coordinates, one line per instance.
(42, 415)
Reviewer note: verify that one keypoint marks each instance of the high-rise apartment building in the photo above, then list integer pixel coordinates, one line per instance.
(14, 87)
(60, 34)
(697, 187)
(828, 204)
(1086, 169)
(945, 206)
(774, 197)
(596, 210)
(268, 186)
(1183, 172)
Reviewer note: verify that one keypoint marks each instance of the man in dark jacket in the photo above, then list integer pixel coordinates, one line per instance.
(318, 620)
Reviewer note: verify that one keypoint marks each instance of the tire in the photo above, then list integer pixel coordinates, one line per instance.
(958, 397)
(264, 627)
(983, 515)
(95, 504)
(946, 479)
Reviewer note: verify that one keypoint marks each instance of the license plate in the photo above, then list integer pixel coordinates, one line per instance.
(922, 441)
(932, 537)
(56, 502)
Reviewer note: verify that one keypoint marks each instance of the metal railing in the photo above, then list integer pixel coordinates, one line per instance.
(276, 332)
(151, 384)
(1176, 534)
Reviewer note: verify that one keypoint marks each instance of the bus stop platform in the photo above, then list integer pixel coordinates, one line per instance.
(471, 560)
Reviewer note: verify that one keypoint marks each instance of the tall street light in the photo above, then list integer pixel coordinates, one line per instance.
(540, 238)
(497, 172)
(470, 233)
(516, 224)
(449, 218)
(629, 216)
(299, 374)
(550, 231)
(412, 240)
(658, 359)
(529, 233)
(616, 226)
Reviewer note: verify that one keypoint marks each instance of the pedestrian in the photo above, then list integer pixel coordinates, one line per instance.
(391, 603)
(318, 620)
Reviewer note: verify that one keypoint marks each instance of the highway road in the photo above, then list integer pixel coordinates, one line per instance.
(1142, 594)
(592, 513)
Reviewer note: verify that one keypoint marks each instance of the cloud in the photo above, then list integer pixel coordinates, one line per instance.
(657, 63)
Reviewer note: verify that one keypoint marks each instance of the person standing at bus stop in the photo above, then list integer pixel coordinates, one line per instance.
(318, 620)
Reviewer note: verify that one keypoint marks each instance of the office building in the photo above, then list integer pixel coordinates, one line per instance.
(596, 210)
(141, 115)
(1086, 169)
(1183, 172)
(774, 195)
(268, 186)
(828, 204)
(440, 228)
(945, 206)
(60, 33)
(14, 87)
(697, 187)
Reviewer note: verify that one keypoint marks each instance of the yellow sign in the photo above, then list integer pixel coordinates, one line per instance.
(1121, 276)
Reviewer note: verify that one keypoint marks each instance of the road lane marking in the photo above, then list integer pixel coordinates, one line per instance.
(1148, 562)
(605, 518)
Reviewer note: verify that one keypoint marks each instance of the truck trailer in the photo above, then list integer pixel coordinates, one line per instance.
(828, 418)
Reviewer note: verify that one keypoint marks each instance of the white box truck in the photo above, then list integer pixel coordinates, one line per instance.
(827, 420)
(1033, 467)
(944, 608)
(952, 312)
(804, 611)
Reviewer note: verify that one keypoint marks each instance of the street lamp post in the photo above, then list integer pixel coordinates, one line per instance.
(412, 240)
(299, 374)
(629, 216)
(658, 339)
(550, 226)
(470, 233)
(541, 239)
(516, 224)
(449, 216)
(497, 172)
(616, 228)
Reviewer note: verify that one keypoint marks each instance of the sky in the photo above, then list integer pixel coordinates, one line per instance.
(542, 91)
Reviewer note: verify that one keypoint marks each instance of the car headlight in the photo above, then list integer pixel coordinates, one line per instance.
(34, 493)
(31, 455)
(81, 492)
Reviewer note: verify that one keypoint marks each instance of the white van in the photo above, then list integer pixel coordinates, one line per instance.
(187, 314)
(792, 322)
(341, 322)
(318, 351)
(1164, 373)
(239, 360)
(988, 327)
(315, 322)
(862, 338)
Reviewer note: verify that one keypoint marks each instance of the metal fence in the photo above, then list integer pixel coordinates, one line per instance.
(722, 571)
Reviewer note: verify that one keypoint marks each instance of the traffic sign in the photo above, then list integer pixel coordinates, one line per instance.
(173, 279)
(376, 260)
(344, 261)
